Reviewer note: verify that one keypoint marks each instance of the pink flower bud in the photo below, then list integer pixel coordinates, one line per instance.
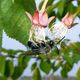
(40, 18)
(68, 20)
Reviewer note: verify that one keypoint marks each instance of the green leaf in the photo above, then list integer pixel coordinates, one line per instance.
(22, 64)
(2, 65)
(76, 57)
(51, 8)
(63, 45)
(50, 2)
(65, 69)
(78, 74)
(1, 25)
(68, 59)
(55, 52)
(61, 7)
(45, 66)
(40, 5)
(2, 78)
(36, 74)
(17, 72)
(11, 53)
(16, 23)
(28, 5)
(33, 66)
(23, 61)
(9, 68)
(0, 39)
(55, 68)
(71, 8)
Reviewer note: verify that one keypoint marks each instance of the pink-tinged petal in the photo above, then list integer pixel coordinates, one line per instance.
(43, 19)
(35, 19)
(51, 18)
(29, 16)
(68, 20)
(63, 19)
(71, 18)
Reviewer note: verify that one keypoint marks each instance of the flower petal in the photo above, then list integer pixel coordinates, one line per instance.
(43, 19)
(35, 19)
(29, 16)
(51, 18)
(68, 20)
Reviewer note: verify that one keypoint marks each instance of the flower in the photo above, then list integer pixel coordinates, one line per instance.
(39, 22)
(38, 38)
(59, 30)
(40, 18)
(68, 20)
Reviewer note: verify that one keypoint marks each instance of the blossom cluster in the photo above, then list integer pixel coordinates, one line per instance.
(39, 41)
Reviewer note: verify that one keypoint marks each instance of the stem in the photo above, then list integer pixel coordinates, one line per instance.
(76, 13)
(28, 53)
(44, 6)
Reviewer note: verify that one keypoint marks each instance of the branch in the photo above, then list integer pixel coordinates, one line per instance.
(12, 54)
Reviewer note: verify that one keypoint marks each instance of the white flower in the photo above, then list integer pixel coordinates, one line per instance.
(58, 31)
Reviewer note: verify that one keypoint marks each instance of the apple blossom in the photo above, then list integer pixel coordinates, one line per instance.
(39, 22)
(60, 29)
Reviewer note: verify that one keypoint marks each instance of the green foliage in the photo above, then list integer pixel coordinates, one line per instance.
(68, 59)
(76, 58)
(78, 74)
(28, 5)
(2, 65)
(1, 25)
(36, 75)
(45, 66)
(9, 68)
(22, 64)
(0, 40)
(61, 7)
(56, 67)
(65, 69)
(33, 66)
(16, 24)
(50, 9)
(2, 78)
